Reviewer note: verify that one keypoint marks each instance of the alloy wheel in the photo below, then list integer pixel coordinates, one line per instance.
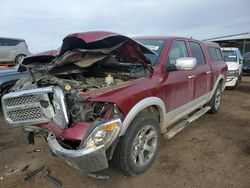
(144, 145)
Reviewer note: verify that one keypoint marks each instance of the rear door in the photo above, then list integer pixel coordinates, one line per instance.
(202, 73)
(218, 63)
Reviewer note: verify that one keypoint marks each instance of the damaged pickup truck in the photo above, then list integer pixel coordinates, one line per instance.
(105, 96)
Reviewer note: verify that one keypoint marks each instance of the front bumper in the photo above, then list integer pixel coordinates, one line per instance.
(87, 159)
(91, 157)
(231, 82)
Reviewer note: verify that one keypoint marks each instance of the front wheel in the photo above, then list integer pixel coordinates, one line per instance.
(138, 147)
(7, 89)
(240, 77)
(216, 100)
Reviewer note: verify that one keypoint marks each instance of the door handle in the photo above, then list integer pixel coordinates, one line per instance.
(208, 72)
(191, 76)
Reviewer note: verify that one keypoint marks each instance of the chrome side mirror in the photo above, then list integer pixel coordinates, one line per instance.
(186, 63)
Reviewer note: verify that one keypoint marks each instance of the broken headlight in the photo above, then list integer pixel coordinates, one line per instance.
(103, 134)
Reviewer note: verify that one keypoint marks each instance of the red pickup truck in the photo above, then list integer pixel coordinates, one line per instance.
(106, 96)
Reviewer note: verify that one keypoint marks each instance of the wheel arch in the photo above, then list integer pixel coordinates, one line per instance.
(6, 84)
(142, 105)
(19, 54)
(220, 80)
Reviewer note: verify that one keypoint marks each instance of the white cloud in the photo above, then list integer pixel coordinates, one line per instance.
(44, 23)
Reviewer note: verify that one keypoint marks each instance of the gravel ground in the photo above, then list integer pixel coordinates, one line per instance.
(213, 152)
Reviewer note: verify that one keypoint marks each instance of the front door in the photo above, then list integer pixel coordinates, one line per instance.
(179, 84)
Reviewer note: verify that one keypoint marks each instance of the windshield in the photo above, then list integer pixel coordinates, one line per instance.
(154, 45)
(230, 55)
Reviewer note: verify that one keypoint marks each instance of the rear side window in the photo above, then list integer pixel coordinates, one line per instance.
(215, 54)
(197, 52)
(178, 50)
(9, 42)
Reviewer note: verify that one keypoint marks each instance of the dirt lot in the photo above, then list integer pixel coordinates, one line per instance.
(213, 152)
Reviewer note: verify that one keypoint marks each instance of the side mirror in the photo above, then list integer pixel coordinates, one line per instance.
(186, 63)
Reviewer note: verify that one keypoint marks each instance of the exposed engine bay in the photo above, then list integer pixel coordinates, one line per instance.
(72, 96)
(84, 70)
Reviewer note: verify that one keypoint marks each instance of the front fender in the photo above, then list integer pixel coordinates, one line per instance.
(150, 101)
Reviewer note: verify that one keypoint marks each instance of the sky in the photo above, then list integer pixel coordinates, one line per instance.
(44, 23)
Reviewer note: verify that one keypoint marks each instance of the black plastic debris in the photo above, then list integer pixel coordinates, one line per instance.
(28, 176)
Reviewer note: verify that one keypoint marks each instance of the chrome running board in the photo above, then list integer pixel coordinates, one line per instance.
(179, 127)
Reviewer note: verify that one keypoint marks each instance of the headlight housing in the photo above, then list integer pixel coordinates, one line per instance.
(103, 134)
(233, 73)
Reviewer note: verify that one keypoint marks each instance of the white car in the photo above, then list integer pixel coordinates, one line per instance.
(234, 62)
(13, 50)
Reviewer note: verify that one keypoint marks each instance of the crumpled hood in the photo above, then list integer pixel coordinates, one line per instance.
(232, 65)
(85, 49)
(34, 60)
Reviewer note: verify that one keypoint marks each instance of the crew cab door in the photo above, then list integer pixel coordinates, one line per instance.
(180, 84)
(202, 73)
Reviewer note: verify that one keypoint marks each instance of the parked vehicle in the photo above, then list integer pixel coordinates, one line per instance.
(8, 77)
(246, 63)
(107, 96)
(234, 62)
(13, 50)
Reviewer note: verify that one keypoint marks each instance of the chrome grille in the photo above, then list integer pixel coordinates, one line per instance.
(21, 100)
(25, 114)
(25, 107)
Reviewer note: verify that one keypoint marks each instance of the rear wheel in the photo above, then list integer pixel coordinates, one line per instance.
(19, 58)
(216, 100)
(137, 149)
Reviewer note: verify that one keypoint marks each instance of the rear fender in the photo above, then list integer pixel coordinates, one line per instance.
(220, 78)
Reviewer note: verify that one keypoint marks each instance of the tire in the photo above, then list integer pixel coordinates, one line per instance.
(7, 89)
(137, 149)
(240, 77)
(19, 58)
(215, 101)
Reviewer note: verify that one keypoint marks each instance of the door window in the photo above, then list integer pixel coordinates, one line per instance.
(197, 52)
(9, 42)
(178, 50)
